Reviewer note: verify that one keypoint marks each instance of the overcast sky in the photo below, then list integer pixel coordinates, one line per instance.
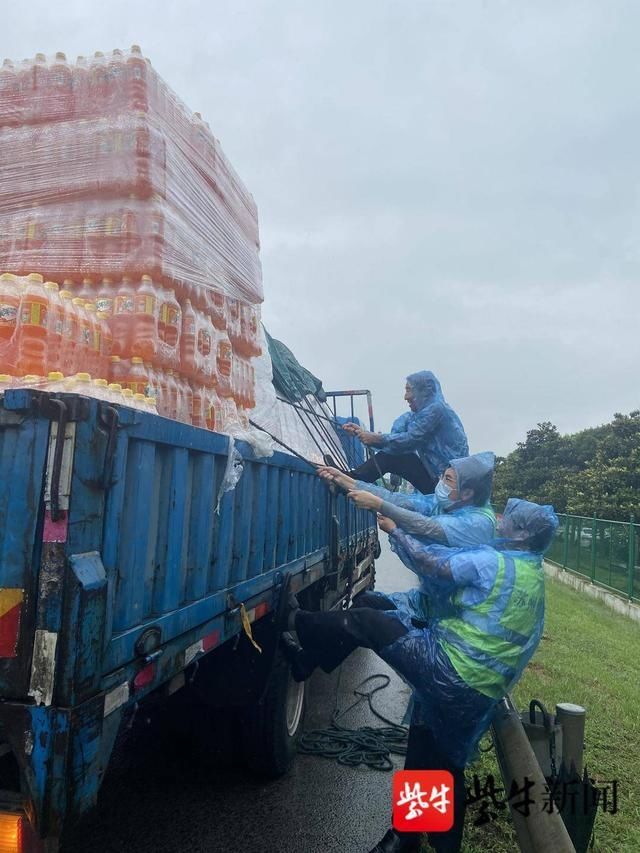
(441, 185)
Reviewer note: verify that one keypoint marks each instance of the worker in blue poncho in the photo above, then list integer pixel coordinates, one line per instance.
(458, 514)
(459, 663)
(421, 441)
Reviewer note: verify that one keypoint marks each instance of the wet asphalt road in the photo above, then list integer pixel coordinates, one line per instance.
(170, 803)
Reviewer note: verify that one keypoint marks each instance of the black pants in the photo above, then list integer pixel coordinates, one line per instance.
(407, 465)
(328, 639)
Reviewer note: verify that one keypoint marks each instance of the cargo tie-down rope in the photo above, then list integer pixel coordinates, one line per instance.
(367, 745)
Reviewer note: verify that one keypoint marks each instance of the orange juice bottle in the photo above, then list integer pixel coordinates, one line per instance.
(127, 398)
(106, 341)
(82, 384)
(101, 389)
(134, 376)
(87, 290)
(217, 307)
(197, 407)
(144, 341)
(94, 342)
(9, 307)
(80, 82)
(173, 321)
(34, 304)
(55, 324)
(69, 334)
(61, 88)
(136, 73)
(188, 340)
(115, 392)
(105, 297)
(224, 357)
(116, 368)
(123, 314)
(187, 396)
(172, 396)
(213, 411)
(83, 338)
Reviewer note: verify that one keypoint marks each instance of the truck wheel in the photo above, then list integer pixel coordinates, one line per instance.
(271, 728)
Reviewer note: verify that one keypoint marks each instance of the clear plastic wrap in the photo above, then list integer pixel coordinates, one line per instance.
(129, 245)
(283, 420)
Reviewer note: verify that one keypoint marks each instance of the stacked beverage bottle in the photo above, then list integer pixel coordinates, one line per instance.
(112, 188)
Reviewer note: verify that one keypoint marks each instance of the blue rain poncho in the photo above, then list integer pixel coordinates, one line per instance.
(456, 525)
(434, 431)
(462, 662)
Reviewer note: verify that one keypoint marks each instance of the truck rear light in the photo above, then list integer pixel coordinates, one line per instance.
(143, 679)
(17, 835)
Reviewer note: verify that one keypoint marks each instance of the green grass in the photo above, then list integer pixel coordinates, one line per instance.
(591, 656)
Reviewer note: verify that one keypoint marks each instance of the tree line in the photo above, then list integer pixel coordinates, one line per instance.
(595, 471)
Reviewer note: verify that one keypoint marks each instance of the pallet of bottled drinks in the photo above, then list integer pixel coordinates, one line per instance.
(129, 244)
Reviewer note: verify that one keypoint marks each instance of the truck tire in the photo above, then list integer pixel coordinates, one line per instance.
(271, 728)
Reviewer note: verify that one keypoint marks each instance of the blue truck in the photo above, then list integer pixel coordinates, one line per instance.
(129, 578)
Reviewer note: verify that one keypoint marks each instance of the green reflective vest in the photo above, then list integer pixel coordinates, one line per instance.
(490, 643)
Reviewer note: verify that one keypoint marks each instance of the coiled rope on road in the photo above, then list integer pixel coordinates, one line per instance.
(371, 746)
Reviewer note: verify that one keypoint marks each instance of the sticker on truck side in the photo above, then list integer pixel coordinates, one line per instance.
(115, 698)
(10, 611)
(43, 668)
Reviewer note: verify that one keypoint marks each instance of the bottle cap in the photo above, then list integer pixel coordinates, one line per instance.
(137, 360)
(139, 397)
(8, 276)
(66, 294)
(51, 285)
(78, 301)
(55, 376)
(4, 377)
(114, 359)
(31, 377)
(115, 386)
(127, 392)
(102, 383)
(83, 377)
(35, 276)
(89, 306)
(61, 56)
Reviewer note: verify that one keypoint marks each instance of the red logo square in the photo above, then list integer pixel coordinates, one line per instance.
(422, 800)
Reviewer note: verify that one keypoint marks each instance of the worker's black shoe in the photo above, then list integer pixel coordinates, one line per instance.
(299, 662)
(329, 460)
(398, 842)
(287, 606)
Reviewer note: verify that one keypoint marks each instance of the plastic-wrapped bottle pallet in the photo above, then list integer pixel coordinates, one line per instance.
(130, 244)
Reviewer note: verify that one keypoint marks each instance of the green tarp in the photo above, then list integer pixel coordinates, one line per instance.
(290, 379)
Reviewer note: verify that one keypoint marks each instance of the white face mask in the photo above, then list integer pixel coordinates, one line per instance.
(442, 492)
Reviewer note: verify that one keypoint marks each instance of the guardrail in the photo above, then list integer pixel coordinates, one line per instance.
(605, 552)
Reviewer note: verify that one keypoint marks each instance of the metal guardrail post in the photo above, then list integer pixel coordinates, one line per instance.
(594, 540)
(631, 558)
(565, 555)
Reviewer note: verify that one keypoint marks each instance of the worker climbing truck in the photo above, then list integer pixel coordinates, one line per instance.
(130, 577)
